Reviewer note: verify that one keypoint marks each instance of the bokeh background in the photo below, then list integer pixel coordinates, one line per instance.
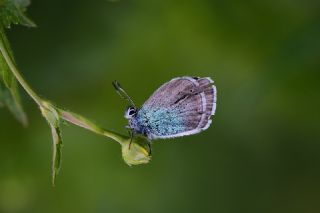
(260, 155)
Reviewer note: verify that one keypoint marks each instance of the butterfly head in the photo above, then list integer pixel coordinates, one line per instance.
(130, 112)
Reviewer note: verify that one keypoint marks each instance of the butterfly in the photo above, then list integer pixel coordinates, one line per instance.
(180, 107)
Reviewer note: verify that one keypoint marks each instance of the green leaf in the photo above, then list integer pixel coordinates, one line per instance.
(53, 118)
(12, 12)
(9, 95)
(57, 152)
(1, 96)
(13, 103)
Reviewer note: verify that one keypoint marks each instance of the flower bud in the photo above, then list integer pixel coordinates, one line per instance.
(138, 152)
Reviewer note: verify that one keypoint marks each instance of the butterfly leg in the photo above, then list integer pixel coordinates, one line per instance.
(131, 137)
(150, 147)
(131, 134)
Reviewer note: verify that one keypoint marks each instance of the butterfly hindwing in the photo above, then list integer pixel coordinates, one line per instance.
(182, 106)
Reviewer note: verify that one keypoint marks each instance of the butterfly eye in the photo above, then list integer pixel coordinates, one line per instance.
(131, 112)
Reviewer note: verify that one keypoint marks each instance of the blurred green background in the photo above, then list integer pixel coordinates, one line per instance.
(260, 155)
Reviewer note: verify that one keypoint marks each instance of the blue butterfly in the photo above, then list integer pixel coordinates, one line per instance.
(180, 107)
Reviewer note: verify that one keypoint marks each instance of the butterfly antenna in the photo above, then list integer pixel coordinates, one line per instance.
(122, 92)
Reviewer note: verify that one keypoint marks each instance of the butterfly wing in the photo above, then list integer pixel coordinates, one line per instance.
(182, 106)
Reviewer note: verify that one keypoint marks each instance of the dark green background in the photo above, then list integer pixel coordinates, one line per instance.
(260, 155)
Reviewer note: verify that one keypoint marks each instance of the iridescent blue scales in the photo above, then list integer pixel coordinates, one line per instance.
(182, 106)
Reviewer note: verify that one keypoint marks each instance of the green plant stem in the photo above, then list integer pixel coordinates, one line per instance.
(18, 76)
(65, 115)
(86, 124)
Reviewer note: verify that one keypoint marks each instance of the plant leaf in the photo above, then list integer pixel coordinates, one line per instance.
(56, 152)
(12, 12)
(9, 95)
(52, 116)
(7, 99)
(1, 96)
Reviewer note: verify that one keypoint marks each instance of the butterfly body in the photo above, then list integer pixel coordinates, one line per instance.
(182, 106)
(157, 122)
